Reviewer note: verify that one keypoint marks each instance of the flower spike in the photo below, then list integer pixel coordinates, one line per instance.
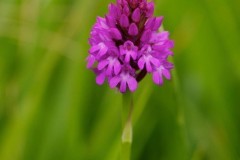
(127, 44)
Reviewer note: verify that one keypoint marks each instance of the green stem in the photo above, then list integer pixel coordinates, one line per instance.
(127, 109)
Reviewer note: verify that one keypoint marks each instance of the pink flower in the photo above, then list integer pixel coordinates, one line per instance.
(126, 45)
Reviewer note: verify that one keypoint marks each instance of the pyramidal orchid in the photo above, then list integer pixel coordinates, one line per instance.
(126, 45)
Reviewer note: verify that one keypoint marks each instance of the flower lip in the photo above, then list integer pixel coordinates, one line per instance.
(129, 51)
(148, 60)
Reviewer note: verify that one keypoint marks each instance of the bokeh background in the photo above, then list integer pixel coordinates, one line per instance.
(52, 109)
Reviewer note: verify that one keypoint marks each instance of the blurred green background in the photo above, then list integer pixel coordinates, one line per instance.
(52, 109)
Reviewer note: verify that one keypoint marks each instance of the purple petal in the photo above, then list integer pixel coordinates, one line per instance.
(127, 57)
(134, 55)
(111, 22)
(158, 23)
(102, 64)
(132, 84)
(90, 61)
(112, 10)
(102, 51)
(168, 65)
(146, 35)
(102, 22)
(150, 8)
(128, 44)
(150, 23)
(141, 63)
(117, 67)
(155, 61)
(136, 15)
(122, 2)
(157, 78)
(124, 21)
(114, 81)
(166, 74)
(148, 66)
(123, 86)
(100, 78)
(126, 10)
(158, 47)
(170, 43)
(109, 70)
(133, 29)
(163, 35)
(115, 33)
(94, 48)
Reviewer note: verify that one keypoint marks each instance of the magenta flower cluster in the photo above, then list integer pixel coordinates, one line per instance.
(127, 44)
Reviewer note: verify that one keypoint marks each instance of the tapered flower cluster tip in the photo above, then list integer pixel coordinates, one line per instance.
(126, 45)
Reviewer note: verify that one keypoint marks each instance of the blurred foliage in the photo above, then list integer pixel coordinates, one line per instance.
(51, 107)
